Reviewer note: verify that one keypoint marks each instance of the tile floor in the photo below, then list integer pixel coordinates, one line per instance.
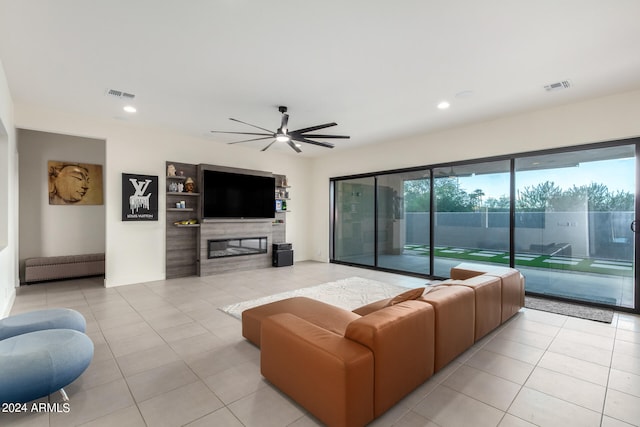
(165, 356)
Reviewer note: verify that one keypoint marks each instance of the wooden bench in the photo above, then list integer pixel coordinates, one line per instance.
(63, 267)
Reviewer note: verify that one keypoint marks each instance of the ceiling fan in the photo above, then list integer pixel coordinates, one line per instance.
(283, 134)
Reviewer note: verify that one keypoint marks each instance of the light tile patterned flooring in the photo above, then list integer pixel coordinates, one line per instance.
(166, 356)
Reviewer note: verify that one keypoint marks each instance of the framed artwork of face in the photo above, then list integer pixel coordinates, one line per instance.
(74, 183)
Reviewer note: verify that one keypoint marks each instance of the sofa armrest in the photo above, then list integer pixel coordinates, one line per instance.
(329, 375)
(401, 338)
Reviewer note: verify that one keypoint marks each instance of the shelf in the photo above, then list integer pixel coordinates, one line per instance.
(186, 225)
(184, 193)
(179, 178)
(283, 211)
(179, 209)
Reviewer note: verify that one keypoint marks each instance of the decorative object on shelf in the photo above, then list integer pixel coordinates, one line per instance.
(173, 187)
(189, 185)
(74, 183)
(139, 197)
(171, 170)
(186, 222)
(180, 187)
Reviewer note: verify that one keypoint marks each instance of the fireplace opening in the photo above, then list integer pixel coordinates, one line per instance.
(236, 247)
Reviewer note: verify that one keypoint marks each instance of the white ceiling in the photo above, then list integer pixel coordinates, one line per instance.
(377, 68)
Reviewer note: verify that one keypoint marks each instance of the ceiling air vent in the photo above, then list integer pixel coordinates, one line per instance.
(565, 84)
(120, 94)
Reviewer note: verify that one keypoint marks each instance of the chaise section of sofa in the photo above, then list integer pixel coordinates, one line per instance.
(346, 378)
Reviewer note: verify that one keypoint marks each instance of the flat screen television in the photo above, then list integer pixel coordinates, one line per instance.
(236, 195)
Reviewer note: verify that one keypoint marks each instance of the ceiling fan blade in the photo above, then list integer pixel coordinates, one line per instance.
(242, 133)
(312, 128)
(308, 141)
(292, 145)
(327, 136)
(254, 139)
(270, 144)
(249, 124)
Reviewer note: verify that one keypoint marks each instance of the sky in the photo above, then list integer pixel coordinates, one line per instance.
(618, 174)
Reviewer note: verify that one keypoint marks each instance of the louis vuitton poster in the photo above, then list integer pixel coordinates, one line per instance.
(139, 197)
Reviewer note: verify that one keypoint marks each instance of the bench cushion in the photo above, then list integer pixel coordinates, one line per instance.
(64, 259)
(62, 267)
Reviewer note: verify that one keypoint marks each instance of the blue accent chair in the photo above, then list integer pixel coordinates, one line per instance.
(38, 320)
(41, 352)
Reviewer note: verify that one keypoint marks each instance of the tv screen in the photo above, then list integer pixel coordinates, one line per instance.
(235, 195)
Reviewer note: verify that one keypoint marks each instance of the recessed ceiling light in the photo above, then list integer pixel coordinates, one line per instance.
(130, 109)
(298, 145)
(444, 105)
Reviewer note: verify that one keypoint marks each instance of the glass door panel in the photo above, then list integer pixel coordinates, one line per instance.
(354, 221)
(403, 221)
(572, 231)
(471, 222)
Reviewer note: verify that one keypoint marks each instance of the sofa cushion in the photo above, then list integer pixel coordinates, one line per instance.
(329, 317)
(455, 321)
(401, 338)
(488, 297)
(406, 296)
(411, 294)
(512, 283)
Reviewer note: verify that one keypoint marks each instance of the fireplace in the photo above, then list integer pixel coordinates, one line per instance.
(236, 247)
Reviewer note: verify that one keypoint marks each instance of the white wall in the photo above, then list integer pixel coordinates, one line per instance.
(50, 230)
(602, 119)
(135, 251)
(8, 200)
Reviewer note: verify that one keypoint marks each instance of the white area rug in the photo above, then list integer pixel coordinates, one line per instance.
(349, 294)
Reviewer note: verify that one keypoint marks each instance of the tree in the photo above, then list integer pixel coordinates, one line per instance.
(416, 195)
(621, 201)
(594, 197)
(538, 198)
(450, 197)
(500, 204)
(476, 198)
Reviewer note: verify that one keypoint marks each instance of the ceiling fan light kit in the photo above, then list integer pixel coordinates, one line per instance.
(292, 137)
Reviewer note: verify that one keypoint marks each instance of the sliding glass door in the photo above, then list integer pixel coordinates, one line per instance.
(403, 221)
(354, 221)
(564, 218)
(573, 235)
(471, 222)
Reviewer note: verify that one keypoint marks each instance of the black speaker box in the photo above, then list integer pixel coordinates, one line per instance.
(282, 258)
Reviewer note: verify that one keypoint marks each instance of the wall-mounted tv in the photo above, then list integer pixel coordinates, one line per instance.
(237, 195)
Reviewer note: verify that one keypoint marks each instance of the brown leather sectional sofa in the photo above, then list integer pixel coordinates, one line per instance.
(347, 368)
